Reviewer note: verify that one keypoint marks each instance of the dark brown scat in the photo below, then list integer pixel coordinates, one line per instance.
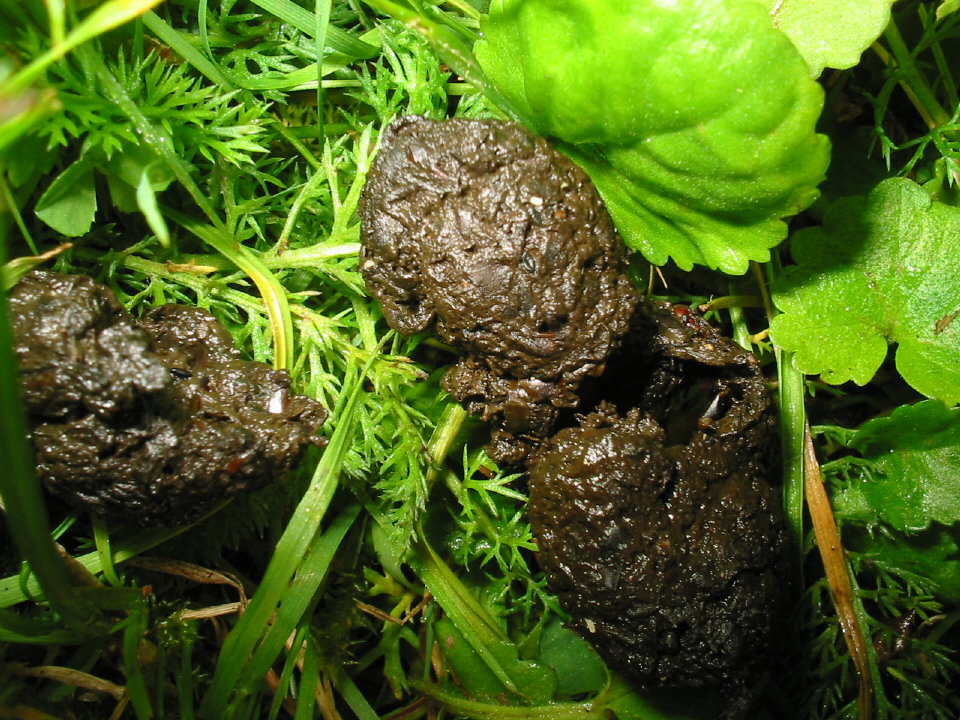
(503, 246)
(656, 522)
(662, 535)
(155, 421)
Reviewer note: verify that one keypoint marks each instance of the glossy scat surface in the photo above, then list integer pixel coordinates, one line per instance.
(483, 231)
(656, 522)
(153, 421)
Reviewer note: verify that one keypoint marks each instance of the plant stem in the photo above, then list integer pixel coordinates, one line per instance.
(594, 709)
(741, 333)
(451, 421)
(837, 570)
(793, 422)
(943, 65)
(273, 294)
(912, 81)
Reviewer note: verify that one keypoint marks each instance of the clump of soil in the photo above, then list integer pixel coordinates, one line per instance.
(153, 421)
(485, 232)
(657, 524)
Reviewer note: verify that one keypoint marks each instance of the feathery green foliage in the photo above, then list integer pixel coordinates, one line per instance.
(214, 154)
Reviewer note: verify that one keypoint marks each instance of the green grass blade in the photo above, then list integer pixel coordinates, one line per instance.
(297, 79)
(322, 13)
(183, 47)
(309, 681)
(13, 270)
(101, 538)
(305, 22)
(354, 697)
(299, 597)
(272, 292)
(43, 630)
(133, 632)
(479, 710)
(202, 9)
(301, 79)
(55, 637)
(185, 680)
(287, 559)
(109, 15)
(286, 675)
(13, 591)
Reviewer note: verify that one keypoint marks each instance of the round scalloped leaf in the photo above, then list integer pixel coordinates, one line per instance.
(830, 33)
(881, 269)
(694, 118)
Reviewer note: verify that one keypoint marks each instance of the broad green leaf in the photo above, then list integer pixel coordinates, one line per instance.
(578, 668)
(913, 475)
(694, 118)
(70, 202)
(881, 269)
(830, 33)
(902, 510)
(479, 682)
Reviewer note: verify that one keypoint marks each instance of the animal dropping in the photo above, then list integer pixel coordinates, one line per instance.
(656, 521)
(486, 233)
(151, 421)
